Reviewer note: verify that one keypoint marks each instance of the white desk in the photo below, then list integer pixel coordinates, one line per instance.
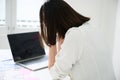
(10, 71)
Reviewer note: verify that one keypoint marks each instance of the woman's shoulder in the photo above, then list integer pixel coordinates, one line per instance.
(78, 30)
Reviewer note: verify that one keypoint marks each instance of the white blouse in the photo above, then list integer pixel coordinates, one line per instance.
(77, 57)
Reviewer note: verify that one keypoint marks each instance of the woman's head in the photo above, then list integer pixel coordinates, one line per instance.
(56, 17)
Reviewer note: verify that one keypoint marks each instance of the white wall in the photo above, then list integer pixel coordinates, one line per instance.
(116, 52)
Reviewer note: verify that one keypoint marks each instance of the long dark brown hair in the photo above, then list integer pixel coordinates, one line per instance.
(56, 17)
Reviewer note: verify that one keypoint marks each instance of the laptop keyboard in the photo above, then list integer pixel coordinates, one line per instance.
(36, 64)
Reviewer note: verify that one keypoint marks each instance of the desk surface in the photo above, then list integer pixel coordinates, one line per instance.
(10, 71)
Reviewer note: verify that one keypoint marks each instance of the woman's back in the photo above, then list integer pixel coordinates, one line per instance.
(81, 55)
(92, 64)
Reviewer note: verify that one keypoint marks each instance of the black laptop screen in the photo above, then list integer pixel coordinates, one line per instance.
(25, 45)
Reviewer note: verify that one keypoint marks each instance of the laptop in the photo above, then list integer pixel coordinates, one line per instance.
(28, 50)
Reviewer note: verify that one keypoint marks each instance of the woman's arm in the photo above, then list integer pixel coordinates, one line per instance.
(53, 51)
(52, 54)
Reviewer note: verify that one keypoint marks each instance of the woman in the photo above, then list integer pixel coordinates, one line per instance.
(64, 30)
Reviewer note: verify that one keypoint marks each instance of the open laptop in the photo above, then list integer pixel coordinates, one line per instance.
(27, 50)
